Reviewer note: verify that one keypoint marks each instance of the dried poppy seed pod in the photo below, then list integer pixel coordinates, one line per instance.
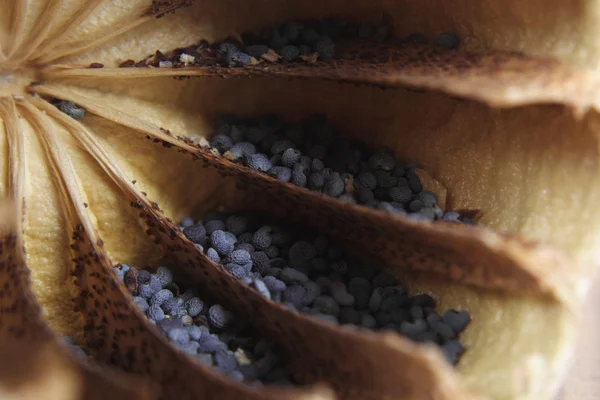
(474, 119)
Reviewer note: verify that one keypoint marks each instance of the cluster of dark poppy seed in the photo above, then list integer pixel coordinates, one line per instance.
(292, 41)
(308, 273)
(206, 331)
(312, 155)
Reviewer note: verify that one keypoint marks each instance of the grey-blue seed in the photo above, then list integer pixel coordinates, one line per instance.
(144, 277)
(225, 360)
(317, 165)
(325, 47)
(71, 109)
(164, 275)
(196, 332)
(161, 296)
(245, 246)
(313, 290)
(221, 143)
(283, 174)
(261, 288)
(413, 329)
(334, 185)
(215, 225)
(326, 305)
(262, 238)
(245, 237)
(291, 276)
(179, 336)
(445, 331)
(242, 149)
(236, 224)
(385, 180)
(457, 320)
(219, 317)
(428, 213)
(414, 182)
(290, 157)
(400, 194)
(299, 178)
(194, 306)
(260, 261)
(210, 344)
(272, 251)
(258, 162)
(221, 242)
(274, 284)
(289, 52)
(427, 198)
(213, 255)
(240, 257)
(257, 50)
(451, 350)
(316, 181)
(416, 312)
(294, 294)
(240, 272)
(155, 313)
(367, 180)
(141, 303)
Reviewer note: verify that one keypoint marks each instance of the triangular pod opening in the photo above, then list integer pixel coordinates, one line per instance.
(557, 29)
(474, 151)
(187, 263)
(33, 362)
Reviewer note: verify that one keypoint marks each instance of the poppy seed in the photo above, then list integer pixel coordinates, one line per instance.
(325, 47)
(219, 317)
(194, 306)
(221, 143)
(262, 238)
(274, 284)
(242, 149)
(290, 157)
(258, 162)
(289, 52)
(283, 174)
(299, 178)
(400, 194)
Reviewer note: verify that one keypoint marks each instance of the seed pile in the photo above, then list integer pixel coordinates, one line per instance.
(312, 155)
(215, 336)
(310, 274)
(69, 108)
(307, 41)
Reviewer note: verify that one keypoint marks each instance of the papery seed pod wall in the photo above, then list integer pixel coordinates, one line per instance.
(506, 126)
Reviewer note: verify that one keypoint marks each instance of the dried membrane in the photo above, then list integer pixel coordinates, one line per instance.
(313, 155)
(310, 273)
(209, 332)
